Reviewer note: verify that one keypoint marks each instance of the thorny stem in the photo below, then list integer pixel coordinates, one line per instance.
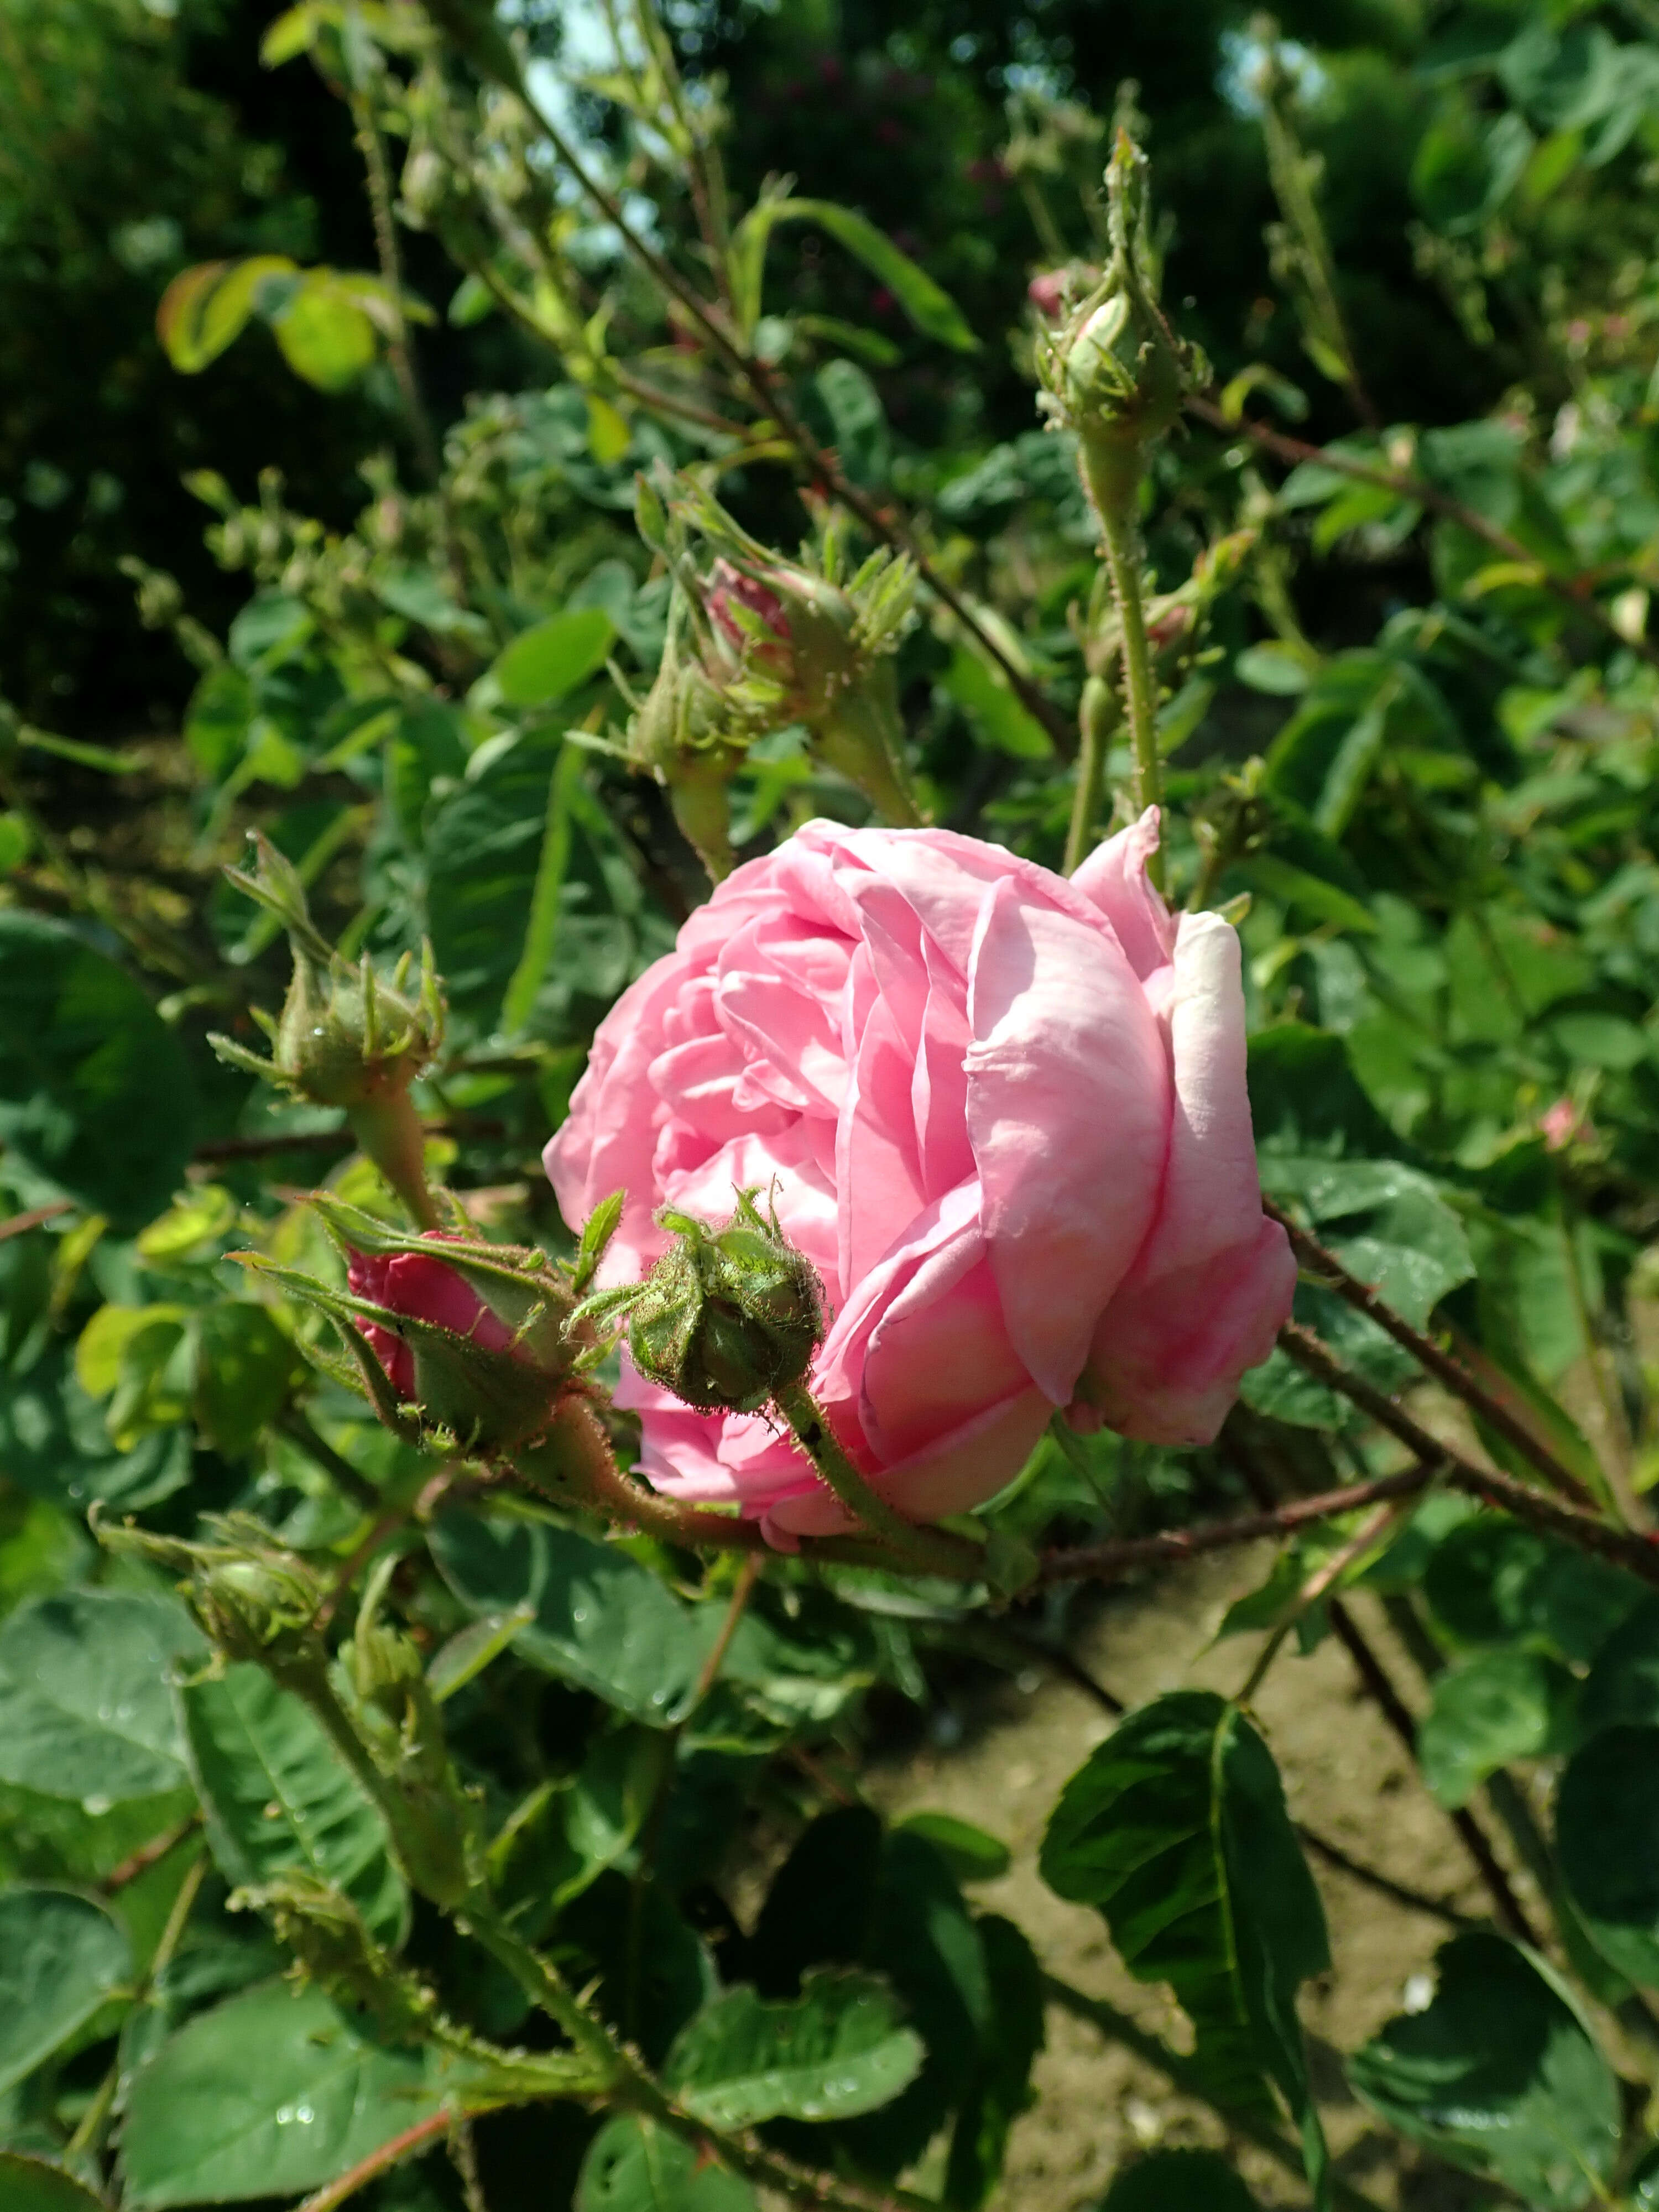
(1109, 1562)
(1329, 1270)
(932, 1550)
(1637, 1555)
(1575, 591)
(1119, 533)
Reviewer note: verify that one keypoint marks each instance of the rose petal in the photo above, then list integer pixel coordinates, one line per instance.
(1114, 878)
(1068, 1105)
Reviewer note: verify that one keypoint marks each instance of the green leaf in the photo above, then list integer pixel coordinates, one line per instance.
(1179, 2181)
(541, 928)
(245, 1368)
(85, 1710)
(205, 308)
(1622, 1687)
(858, 421)
(601, 1619)
(31, 2184)
(932, 310)
(324, 333)
(1000, 2089)
(970, 1854)
(60, 1959)
(1498, 1706)
(97, 1096)
(837, 2049)
(1175, 1830)
(1492, 1581)
(633, 2164)
(1501, 2076)
(1606, 1841)
(997, 717)
(553, 657)
(279, 1799)
(270, 2095)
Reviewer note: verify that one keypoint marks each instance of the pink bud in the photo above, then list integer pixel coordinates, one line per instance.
(1047, 293)
(409, 1283)
(1561, 1124)
(731, 587)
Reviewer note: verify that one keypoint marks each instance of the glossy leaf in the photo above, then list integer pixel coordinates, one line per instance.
(1499, 2076)
(85, 1710)
(61, 1957)
(601, 1620)
(635, 2165)
(837, 2049)
(279, 1799)
(1176, 1829)
(269, 2095)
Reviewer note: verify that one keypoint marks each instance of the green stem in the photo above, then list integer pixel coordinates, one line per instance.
(861, 738)
(1113, 491)
(1096, 719)
(932, 1551)
(389, 1130)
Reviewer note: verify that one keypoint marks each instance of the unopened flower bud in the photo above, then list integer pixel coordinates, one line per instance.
(729, 1315)
(344, 1036)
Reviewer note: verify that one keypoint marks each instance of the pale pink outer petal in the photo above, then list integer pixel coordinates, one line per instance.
(1069, 1113)
(957, 1472)
(1207, 1295)
(1114, 878)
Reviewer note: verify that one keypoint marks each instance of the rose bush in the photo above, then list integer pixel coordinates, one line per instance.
(1005, 1115)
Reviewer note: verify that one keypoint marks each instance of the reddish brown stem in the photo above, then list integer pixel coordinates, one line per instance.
(1107, 1562)
(1574, 590)
(1441, 1365)
(20, 1223)
(146, 1855)
(1637, 1555)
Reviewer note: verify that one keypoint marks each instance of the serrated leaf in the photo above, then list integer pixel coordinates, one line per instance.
(60, 1959)
(599, 1619)
(278, 1799)
(85, 1710)
(1175, 1830)
(1501, 2076)
(838, 2049)
(269, 2095)
(634, 2165)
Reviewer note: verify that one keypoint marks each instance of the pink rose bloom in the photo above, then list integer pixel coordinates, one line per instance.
(1047, 292)
(1004, 1116)
(426, 1290)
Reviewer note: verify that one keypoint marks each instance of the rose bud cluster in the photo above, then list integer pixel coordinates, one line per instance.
(761, 642)
(1003, 1117)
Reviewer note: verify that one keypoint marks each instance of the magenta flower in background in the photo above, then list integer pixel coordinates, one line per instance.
(1002, 1113)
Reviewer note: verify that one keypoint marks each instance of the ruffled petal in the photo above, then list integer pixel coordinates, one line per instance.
(1114, 878)
(1208, 1294)
(1069, 1113)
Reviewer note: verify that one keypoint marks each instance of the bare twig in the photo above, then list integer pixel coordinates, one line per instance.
(20, 1223)
(1108, 1562)
(1637, 1555)
(1574, 590)
(1329, 1270)
(146, 1855)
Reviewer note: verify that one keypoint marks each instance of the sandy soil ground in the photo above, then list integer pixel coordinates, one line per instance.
(1346, 1777)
